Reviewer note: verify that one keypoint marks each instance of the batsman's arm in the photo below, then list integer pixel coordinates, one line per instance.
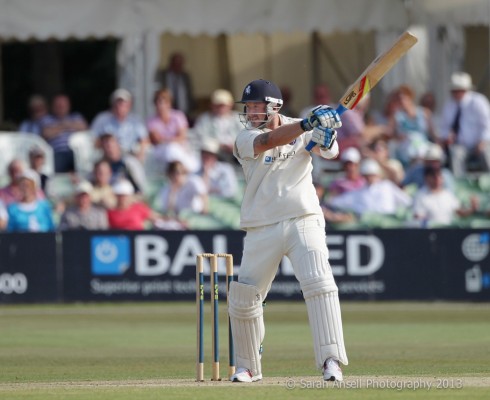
(277, 137)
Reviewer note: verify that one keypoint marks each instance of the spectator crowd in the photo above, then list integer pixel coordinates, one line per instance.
(404, 166)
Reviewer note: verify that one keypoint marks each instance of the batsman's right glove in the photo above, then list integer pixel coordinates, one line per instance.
(325, 137)
(321, 116)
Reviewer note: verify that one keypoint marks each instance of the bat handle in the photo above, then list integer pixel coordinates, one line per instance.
(340, 110)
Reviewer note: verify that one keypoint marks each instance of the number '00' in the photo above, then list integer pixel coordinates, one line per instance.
(13, 283)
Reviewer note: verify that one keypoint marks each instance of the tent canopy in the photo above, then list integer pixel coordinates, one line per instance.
(63, 19)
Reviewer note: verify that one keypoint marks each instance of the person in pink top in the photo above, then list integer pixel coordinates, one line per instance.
(352, 178)
(168, 133)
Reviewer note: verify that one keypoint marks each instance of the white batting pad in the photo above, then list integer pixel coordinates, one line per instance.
(247, 325)
(322, 302)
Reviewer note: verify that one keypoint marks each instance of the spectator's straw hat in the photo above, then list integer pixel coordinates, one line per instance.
(221, 96)
(210, 145)
(84, 187)
(461, 81)
(120, 94)
(434, 153)
(351, 154)
(36, 151)
(31, 175)
(123, 187)
(370, 167)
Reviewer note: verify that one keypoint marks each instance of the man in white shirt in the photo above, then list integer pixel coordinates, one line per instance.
(465, 125)
(435, 205)
(221, 123)
(380, 196)
(282, 216)
(119, 121)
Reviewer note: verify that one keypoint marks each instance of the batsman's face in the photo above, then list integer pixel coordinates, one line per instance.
(256, 113)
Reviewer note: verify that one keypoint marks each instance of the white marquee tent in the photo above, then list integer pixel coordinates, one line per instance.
(139, 23)
(61, 19)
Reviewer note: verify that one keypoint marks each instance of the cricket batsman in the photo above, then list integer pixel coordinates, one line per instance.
(281, 215)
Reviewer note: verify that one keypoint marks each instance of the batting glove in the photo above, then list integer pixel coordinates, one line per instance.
(321, 116)
(325, 137)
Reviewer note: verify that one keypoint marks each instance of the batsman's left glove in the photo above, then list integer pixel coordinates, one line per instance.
(325, 137)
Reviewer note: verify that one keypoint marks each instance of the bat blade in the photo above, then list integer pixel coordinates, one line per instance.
(373, 74)
(376, 70)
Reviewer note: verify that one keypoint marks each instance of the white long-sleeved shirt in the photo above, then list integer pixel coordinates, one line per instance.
(474, 121)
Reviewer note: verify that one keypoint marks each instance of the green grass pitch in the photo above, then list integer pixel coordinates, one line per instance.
(148, 350)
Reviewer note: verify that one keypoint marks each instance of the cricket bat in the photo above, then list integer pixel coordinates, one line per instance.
(373, 74)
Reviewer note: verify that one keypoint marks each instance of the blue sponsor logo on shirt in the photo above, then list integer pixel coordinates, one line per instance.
(268, 160)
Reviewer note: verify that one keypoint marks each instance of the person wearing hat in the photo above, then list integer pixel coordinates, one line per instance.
(434, 157)
(378, 196)
(221, 123)
(218, 176)
(129, 213)
(119, 121)
(282, 216)
(83, 214)
(352, 178)
(11, 192)
(29, 214)
(465, 125)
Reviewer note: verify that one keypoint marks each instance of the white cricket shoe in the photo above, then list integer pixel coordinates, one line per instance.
(245, 375)
(332, 371)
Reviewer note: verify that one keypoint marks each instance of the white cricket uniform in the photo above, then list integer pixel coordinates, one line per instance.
(282, 216)
(279, 182)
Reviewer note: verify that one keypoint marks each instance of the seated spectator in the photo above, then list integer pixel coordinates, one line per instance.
(434, 205)
(11, 191)
(83, 215)
(37, 159)
(168, 134)
(184, 192)
(102, 194)
(221, 123)
(127, 128)
(391, 168)
(29, 214)
(38, 111)
(3, 216)
(123, 165)
(218, 176)
(379, 195)
(433, 157)
(352, 178)
(465, 126)
(57, 128)
(411, 124)
(129, 213)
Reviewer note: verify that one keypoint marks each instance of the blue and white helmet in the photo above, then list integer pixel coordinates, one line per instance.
(261, 91)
